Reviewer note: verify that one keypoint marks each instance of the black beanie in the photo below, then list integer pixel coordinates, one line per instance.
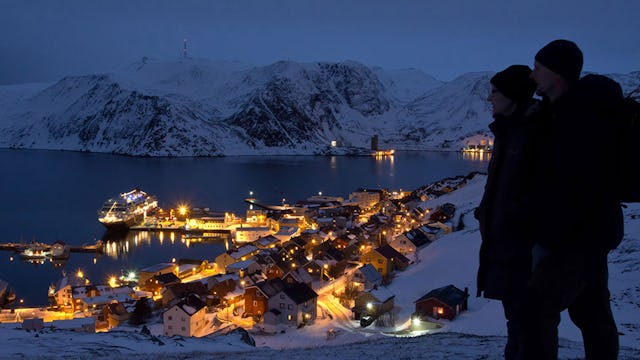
(563, 57)
(514, 82)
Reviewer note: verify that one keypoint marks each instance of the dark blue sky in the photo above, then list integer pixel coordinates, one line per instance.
(43, 40)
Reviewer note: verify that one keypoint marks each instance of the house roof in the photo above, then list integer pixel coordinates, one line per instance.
(242, 251)
(299, 240)
(449, 295)
(183, 289)
(382, 294)
(370, 273)
(270, 287)
(300, 275)
(240, 265)
(417, 237)
(117, 308)
(267, 241)
(157, 267)
(166, 278)
(300, 293)
(191, 304)
(390, 253)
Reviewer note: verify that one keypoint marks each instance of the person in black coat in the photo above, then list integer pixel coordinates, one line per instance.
(576, 195)
(504, 211)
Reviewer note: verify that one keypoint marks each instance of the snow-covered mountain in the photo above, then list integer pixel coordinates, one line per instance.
(196, 107)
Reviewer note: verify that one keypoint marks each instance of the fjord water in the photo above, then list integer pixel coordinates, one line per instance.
(54, 195)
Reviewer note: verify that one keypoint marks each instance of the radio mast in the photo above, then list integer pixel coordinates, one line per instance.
(184, 49)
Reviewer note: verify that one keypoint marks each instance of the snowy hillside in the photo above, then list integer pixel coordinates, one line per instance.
(196, 107)
(478, 333)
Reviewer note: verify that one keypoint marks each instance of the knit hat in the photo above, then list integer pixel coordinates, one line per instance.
(514, 82)
(563, 57)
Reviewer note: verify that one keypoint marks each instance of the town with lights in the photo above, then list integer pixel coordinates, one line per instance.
(283, 266)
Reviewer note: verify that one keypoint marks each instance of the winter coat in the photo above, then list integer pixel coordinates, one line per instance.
(504, 213)
(575, 171)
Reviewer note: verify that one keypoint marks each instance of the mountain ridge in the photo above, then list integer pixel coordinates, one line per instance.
(199, 107)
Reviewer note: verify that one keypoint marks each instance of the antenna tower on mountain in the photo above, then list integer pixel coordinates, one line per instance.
(184, 49)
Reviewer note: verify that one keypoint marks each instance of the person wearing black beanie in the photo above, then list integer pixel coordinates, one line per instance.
(515, 84)
(563, 57)
(569, 263)
(505, 252)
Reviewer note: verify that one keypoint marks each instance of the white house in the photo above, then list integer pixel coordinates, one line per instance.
(295, 305)
(232, 256)
(366, 277)
(364, 199)
(248, 234)
(185, 318)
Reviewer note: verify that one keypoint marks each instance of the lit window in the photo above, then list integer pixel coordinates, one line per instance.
(255, 303)
(290, 317)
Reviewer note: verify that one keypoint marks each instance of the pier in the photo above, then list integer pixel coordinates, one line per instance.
(48, 250)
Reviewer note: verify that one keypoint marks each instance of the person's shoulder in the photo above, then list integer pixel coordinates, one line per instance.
(599, 90)
(534, 108)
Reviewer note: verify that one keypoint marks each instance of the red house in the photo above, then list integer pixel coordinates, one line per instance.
(256, 297)
(442, 303)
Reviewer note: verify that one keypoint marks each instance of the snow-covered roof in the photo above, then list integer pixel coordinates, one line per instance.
(370, 273)
(382, 294)
(157, 267)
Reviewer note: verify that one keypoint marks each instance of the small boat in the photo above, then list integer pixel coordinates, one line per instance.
(35, 251)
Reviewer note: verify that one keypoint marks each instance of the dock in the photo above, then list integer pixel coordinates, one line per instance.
(21, 247)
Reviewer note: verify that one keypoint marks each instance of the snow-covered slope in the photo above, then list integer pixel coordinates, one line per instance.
(198, 107)
(479, 333)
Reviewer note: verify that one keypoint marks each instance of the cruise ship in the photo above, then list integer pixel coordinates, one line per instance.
(127, 209)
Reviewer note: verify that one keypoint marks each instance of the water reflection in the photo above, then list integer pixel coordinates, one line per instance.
(476, 155)
(117, 246)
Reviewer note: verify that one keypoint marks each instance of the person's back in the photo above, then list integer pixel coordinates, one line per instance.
(575, 170)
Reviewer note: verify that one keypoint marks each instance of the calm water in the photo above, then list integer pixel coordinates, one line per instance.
(50, 195)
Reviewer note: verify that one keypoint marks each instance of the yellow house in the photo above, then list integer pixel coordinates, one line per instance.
(385, 259)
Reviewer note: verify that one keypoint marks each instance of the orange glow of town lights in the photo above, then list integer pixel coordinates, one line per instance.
(113, 282)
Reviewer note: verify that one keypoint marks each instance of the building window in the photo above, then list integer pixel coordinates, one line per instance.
(290, 307)
(170, 327)
(281, 305)
(170, 318)
(255, 303)
(290, 317)
(183, 328)
(183, 319)
(438, 311)
(281, 296)
(379, 261)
